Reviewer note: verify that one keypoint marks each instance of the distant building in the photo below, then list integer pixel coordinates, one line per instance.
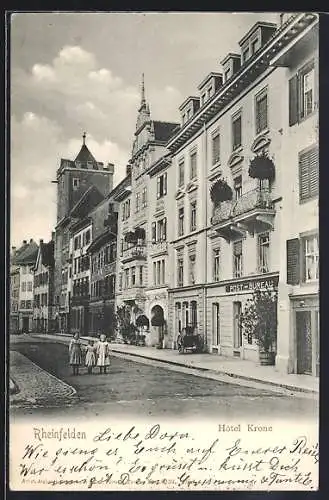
(14, 293)
(81, 185)
(43, 307)
(25, 259)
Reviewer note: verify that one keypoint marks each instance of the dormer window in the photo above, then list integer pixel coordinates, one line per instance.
(203, 98)
(209, 93)
(245, 54)
(255, 45)
(227, 74)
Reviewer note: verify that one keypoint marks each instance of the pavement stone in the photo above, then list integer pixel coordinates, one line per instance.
(235, 368)
(35, 385)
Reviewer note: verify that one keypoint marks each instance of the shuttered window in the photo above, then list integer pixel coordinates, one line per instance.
(293, 261)
(261, 112)
(308, 174)
(302, 94)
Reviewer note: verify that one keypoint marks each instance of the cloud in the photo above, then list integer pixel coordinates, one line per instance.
(52, 105)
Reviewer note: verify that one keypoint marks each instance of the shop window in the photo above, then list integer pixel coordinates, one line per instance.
(215, 324)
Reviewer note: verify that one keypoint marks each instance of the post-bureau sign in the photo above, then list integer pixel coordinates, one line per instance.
(251, 285)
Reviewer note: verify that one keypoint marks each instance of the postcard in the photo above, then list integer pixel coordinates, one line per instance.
(164, 263)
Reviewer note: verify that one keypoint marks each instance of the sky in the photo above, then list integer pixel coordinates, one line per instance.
(76, 72)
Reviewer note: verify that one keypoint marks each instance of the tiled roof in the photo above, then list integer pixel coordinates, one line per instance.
(164, 130)
(27, 254)
(85, 155)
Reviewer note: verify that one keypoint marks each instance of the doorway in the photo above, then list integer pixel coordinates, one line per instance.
(25, 325)
(237, 331)
(304, 342)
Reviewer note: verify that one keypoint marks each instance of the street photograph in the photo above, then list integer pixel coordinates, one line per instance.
(164, 246)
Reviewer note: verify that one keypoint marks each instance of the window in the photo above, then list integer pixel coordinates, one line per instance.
(163, 274)
(144, 197)
(237, 259)
(133, 276)
(261, 112)
(302, 94)
(203, 99)
(193, 165)
(236, 132)
(180, 271)
(215, 323)
(22, 304)
(141, 275)
(216, 148)
(161, 230)
(29, 286)
(192, 269)
(126, 278)
(24, 286)
(193, 216)
(87, 235)
(209, 93)
(162, 185)
(76, 241)
(126, 210)
(194, 317)
(216, 264)
(178, 309)
(254, 45)
(263, 252)
(181, 221)
(308, 174)
(154, 273)
(181, 173)
(75, 183)
(159, 272)
(310, 258)
(154, 232)
(120, 281)
(245, 54)
(238, 187)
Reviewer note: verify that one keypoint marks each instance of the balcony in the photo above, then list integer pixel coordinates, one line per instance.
(133, 293)
(137, 252)
(252, 212)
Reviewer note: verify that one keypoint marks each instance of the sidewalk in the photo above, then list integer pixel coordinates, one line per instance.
(235, 368)
(31, 384)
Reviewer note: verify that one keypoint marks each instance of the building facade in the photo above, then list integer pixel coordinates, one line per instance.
(43, 289)
(25, 259)
(81, 185)
(14, 293)
(222, 251)
(144, 299)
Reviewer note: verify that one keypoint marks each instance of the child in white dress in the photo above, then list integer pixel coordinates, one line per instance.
(90, 356)
(103, 354)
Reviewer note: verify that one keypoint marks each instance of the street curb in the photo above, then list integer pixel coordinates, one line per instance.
(209, 370)
(222, 372)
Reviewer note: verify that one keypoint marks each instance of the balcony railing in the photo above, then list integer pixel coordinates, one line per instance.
(248, 202)
(134, 253)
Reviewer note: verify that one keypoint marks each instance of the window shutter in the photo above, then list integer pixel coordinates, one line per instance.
(293, 100)
(293, 261)
(165, 229)
(308, 174)
(153, 232)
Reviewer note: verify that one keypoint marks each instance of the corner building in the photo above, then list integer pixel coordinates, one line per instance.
(264, 101)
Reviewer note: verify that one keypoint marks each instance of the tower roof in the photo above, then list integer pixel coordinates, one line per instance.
(84, 154)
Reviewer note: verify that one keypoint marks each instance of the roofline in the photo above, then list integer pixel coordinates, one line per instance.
(230, 55)
(207, 78)
(212, 107)
(257, 25)
(190, 98)
(160, 164)
(116, 189)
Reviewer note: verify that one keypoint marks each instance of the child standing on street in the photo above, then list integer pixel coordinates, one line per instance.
(90, 356)
(103, 354)
(75, 353)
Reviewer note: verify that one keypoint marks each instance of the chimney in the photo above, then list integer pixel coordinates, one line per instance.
(40, 241)
(31, 240)
(24, 242)
(128, 169)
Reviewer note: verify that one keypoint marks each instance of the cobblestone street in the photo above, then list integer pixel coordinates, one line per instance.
(138, 388)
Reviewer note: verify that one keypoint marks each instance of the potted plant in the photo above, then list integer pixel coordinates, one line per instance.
(262, 167)
(259, 322)
(220, 191)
